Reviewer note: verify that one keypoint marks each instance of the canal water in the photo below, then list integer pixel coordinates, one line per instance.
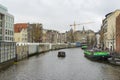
(48, 66)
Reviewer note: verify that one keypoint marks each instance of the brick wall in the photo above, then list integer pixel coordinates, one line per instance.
(118, 34)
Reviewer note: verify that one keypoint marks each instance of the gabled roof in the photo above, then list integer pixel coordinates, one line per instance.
(19, 26)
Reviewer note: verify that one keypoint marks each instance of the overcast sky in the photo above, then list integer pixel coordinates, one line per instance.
(59, 14)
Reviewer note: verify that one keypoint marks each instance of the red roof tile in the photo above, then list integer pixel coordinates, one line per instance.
(19, 26)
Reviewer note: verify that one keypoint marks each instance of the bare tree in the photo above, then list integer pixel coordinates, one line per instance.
(37, 33)
(70, 36)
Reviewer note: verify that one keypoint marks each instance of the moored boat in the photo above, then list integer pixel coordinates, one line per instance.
(96, 54)
(84, 47)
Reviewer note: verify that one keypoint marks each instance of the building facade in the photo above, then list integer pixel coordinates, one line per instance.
(118, 34)
(6, 25)
(20, 32)
(7, 46)
(44, 37)
(52, 36)
(7, 51)
(97, 39)
(62, 38)
(108, 31)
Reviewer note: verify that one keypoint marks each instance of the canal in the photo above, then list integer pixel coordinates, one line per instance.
(48, 66)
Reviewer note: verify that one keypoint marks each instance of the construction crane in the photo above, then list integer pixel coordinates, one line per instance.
(74, 25)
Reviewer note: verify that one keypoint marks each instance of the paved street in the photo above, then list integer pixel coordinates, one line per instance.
(49, 67)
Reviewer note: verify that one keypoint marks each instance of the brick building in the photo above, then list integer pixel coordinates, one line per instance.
(118, 34)
(20, 32)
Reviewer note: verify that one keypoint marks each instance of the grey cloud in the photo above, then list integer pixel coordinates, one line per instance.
(59, 14)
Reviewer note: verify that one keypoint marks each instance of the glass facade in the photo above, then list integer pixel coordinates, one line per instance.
(3, 9)
(6, 24)
(7, 51)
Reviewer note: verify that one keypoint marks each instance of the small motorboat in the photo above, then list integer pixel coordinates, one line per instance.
(61, 54)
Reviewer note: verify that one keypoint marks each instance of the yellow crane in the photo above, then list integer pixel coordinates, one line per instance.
(74, 25)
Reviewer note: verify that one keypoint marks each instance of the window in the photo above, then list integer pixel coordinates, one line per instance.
(0, 24)
(18, 39)
(11, 33)
(5, 38)
(0, 31)
(6, 32)
(0, 37)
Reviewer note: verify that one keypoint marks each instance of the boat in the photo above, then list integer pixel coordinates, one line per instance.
(84, 47)
(61, 54)
(96, 54)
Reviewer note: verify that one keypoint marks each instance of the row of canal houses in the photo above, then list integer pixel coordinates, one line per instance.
(26, 32)
(110, 32)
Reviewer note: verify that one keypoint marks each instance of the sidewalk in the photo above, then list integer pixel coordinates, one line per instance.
(115, 59)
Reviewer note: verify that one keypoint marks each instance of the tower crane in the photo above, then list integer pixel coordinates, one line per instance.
(74, 25)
